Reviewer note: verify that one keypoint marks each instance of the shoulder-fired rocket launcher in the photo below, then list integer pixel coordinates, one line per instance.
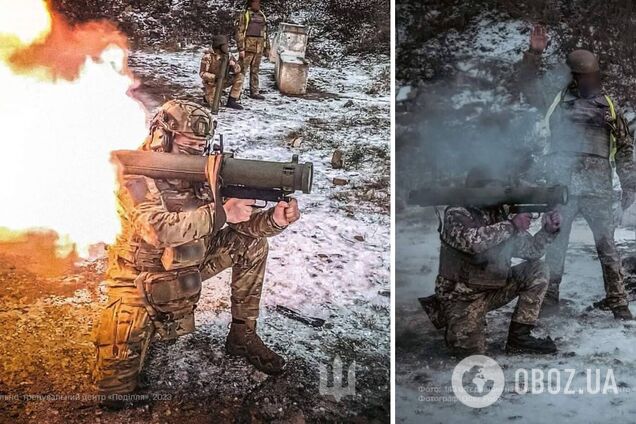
(237, 178)
(520, 199)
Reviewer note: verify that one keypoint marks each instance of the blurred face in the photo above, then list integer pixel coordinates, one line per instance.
(188, 145)
(255, 6)
(589, 85)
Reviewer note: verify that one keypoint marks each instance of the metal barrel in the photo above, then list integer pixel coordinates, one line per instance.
(288, 176)
(161, 166)
(462, 196)
(220, 84)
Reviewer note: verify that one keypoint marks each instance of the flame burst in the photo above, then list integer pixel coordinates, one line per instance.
(63, 108)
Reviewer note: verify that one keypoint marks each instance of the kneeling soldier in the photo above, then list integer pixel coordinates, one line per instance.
(171, 240)
(476, 276)
(209, 72)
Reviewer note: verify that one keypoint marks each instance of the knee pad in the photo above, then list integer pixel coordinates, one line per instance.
(172, 293)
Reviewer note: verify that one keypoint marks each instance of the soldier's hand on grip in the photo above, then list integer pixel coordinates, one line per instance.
(552, 221)
(238, 210)
(286, 213)
(521, 221)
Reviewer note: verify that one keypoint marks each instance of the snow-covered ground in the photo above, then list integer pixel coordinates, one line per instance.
(587, 338)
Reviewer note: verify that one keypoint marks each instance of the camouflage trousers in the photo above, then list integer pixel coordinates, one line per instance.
(252, 61)
(236, 84)
(597, 212)
(465, 308)
(126, 326)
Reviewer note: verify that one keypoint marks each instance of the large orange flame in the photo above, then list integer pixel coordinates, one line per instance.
(63, 108)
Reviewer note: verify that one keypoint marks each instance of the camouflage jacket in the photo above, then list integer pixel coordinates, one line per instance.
(585, 175)
(478, 245)
(240, 26)
(460, 232)
(210, 65)
(156, 215)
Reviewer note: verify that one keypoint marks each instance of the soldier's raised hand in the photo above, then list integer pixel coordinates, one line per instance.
(538, 38)
(286, 213)
(238, 210)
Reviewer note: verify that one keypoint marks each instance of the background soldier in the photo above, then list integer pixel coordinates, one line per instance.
(170, 241)
(475, 274)
(209, 70)
(588, 138)
(253, 42)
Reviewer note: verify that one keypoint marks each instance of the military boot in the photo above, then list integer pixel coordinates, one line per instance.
(433, 309)
(243, 341)
(233, 103)
(622, 313)
(257, 96)
(520, 340)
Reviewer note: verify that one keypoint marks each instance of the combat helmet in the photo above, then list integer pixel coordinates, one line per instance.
(582, 62)
(220, 44)
(182, 117)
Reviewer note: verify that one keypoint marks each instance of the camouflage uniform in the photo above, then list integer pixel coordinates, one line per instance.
(210, 64)
(578, 155)
(476, 275)
(252, 38)
(167, 246)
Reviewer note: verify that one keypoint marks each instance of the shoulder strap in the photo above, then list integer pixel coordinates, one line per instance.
(552, 108)
(613, 147)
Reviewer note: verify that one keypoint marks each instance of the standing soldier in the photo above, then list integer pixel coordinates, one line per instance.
(589, 138)
(172, 240)
(209, 72)
(253, 42)
(476, 276)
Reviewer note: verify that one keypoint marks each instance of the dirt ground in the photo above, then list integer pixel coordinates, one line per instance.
(46, 355)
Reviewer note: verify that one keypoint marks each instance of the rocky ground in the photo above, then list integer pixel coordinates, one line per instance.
(333, 265)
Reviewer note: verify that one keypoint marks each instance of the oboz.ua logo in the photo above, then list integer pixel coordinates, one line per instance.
(478, 381)
(337, 390)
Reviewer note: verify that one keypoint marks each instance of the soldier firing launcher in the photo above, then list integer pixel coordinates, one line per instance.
(237, 178)
(520, 199)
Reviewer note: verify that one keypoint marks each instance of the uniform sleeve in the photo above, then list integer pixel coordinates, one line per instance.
(261, 224)
(529, 83)
(240, 28)
(205, 68)
(625, 167)
(267, 45)
(531, 247)
(459, 233)
(156, 225)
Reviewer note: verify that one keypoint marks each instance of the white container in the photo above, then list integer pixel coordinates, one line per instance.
(288, 54)
(292, 74)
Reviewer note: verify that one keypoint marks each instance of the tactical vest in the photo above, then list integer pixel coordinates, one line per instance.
(177, 196)
(579, 125)
(488, 270)
(255, 24)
